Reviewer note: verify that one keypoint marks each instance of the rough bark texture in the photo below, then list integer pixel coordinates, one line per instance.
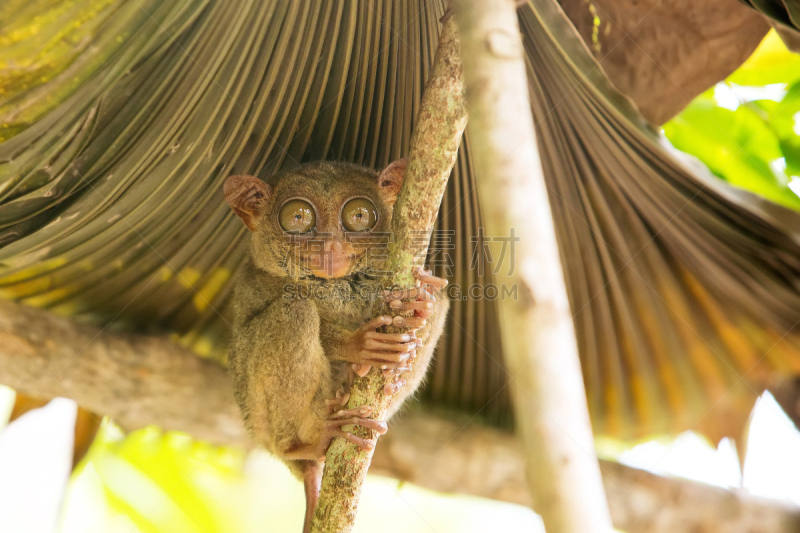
(663, 53)
(138, 380)
(538, 336)
(434, 145)
(149, 380)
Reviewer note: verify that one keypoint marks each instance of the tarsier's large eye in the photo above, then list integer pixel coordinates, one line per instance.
(359, 214)
(297, 216)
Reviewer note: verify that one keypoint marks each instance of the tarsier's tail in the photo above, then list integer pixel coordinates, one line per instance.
(312, 479)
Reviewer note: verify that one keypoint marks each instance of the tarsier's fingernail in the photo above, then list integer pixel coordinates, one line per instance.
(395, 304)
(428, 305)
(405, 338)
(398, 321)
(383, 367)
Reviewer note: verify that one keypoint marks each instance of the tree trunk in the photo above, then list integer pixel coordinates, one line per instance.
(538, 337)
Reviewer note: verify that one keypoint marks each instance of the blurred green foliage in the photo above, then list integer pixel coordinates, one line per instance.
(746, 129)
(152, 482)
(155, 482)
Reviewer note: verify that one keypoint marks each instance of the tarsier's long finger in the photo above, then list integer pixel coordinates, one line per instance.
(426, 278)
(377, 357)
(385, 365)
(427, 295)
(375, 425)
(403, 294)
(390, 372)
(377, 346)
(388, 337)
(360, 412)
(409, 322)
(427, 298)
(376, 322)
(363, 444)
(419, 304)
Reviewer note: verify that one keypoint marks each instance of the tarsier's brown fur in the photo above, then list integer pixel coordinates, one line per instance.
(300, 332)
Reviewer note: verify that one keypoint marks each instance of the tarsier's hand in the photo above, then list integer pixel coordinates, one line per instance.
(420, 299)
(388, 351)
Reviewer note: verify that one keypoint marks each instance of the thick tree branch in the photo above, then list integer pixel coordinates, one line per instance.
(141, 381)
(437, 134)
(138, 380)
(453, 455)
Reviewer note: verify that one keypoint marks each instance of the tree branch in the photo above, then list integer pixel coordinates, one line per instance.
(538, 336)
(434, 145)
(141, 381)
(138, 380)
(450, 454)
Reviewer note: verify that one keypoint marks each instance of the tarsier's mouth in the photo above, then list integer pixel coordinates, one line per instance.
(330, 264)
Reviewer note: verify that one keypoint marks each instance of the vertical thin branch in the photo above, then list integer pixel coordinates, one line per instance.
(434, 147)
(537, 331)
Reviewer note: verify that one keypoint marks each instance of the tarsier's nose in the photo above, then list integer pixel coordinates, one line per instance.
(333, 244)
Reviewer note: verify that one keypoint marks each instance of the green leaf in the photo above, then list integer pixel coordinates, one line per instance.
(771, 63)
(737, 146)
(791, 152)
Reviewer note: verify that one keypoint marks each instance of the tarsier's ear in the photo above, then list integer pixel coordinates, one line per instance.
(248, 197)
(390, 179)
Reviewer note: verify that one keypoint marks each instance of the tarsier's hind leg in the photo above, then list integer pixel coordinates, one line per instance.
(332, 427)
(311, 456)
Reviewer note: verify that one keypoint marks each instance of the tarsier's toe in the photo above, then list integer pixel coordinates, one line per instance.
(368, 423)
(390, 389)
(340, 400)
(363, 444)
(361, 370)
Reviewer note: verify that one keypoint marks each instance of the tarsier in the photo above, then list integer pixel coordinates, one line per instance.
(309, 306)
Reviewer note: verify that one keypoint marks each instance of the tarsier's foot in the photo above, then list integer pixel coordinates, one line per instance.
(332, 427)
(337, 417)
